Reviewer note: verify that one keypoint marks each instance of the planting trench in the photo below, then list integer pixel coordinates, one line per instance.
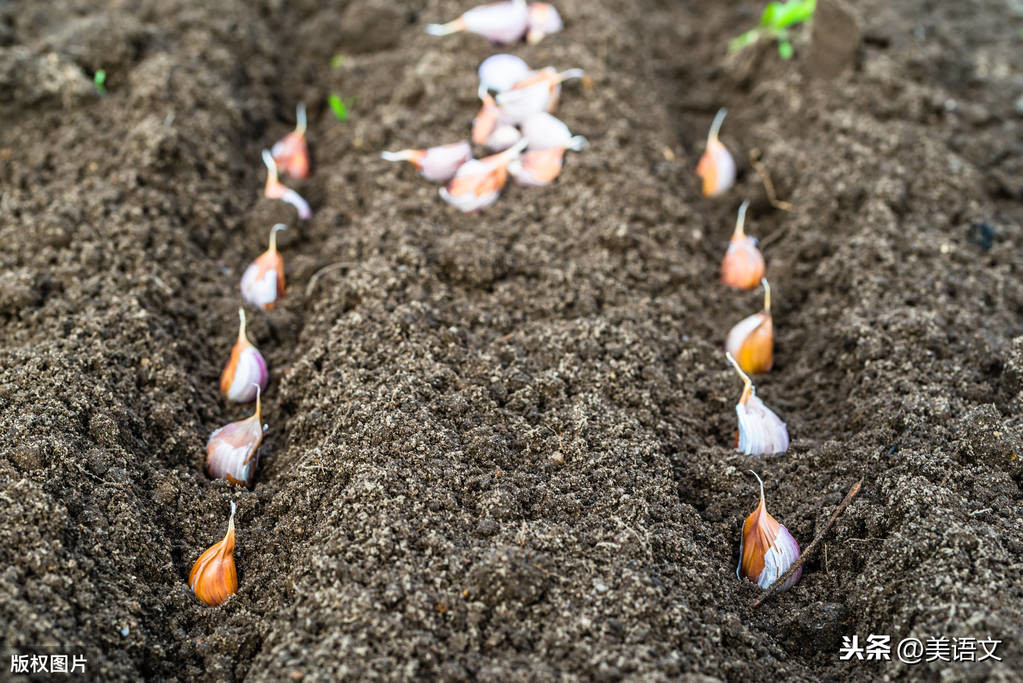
(499, 444)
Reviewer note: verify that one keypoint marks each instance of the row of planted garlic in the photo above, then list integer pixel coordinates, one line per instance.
(515, 123)
(232, 452)
(766, 548)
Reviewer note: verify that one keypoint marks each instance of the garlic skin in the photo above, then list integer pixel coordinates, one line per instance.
(214, 575)
(504, 136)
(543, 21)
(291, 153)
(716, 166)
(501, 71)
(262, 282)
(478, 183)
(498, 22)
(486, 120)
(540, 167)
(537, 93)
(276, 190)
(751, 340)
(437, 164)
(232, 452)
(743, 266)
(766, 549)
(245, 373)
(761, 431)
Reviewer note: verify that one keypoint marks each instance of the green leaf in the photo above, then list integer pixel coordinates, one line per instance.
(785, 49)
(745, 40)
(778, 15)
(338, 105)
(99, 80)
(337, 61)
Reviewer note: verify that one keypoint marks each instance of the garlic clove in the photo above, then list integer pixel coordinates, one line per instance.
(543, 21)
(751, 340)
(436, 164)
(505, 135)
(214, 576)
(537, 93)
(277, 190)
(478, 182)
(545, 131)
(743, 266)
(716, 166)
(232, 452)
(761, 431)
(541, 166)
(500, 72)
(291, 153)
(262, 282)
(766, 549)
(498, 22)
(246, 369)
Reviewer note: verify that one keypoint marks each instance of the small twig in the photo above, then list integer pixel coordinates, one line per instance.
(813, 546)
(765, 178)
(325, 269)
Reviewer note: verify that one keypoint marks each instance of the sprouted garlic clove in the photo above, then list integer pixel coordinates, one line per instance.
(766, 548)
(751, 340)
(232, 452)
(262, 282)
(245, 370)
(214, 575)
(761, 431)
(743, 266)
(275, 189)
(716, 167)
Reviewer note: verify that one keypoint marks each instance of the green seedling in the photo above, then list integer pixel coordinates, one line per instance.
(337, 61)
(775, 22)
(99, 80)
(339, 107)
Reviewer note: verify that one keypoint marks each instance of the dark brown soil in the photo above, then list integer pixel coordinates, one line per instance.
(500, 444)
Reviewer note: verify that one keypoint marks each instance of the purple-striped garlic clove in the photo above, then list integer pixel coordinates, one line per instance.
(500, 72)
(245, 373)
(543, 21)
(761, 431)
(766, 548)
(232, 452)
(262, 282)
(499, 22)
(436, 164)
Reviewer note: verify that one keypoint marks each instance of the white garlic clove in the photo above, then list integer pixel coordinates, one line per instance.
(232, 452)
(499, 22)
(761, 431)
(543, 21)
(500, 72)
(544, 131)
(436, 164)
(537, 93)
(766, 548)
(504, 136)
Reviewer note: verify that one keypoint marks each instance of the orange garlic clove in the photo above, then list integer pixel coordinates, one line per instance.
(246, 369)
(751, 340)
(539, 167)
(232, 452)
(743, 266)
(478, 182)
(716, 167)
(486, 121)
(263, 281)
(214, 576)
(291, 153)
(275, 189)
(766, 549)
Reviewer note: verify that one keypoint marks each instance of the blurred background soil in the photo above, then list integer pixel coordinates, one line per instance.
(500, 444)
